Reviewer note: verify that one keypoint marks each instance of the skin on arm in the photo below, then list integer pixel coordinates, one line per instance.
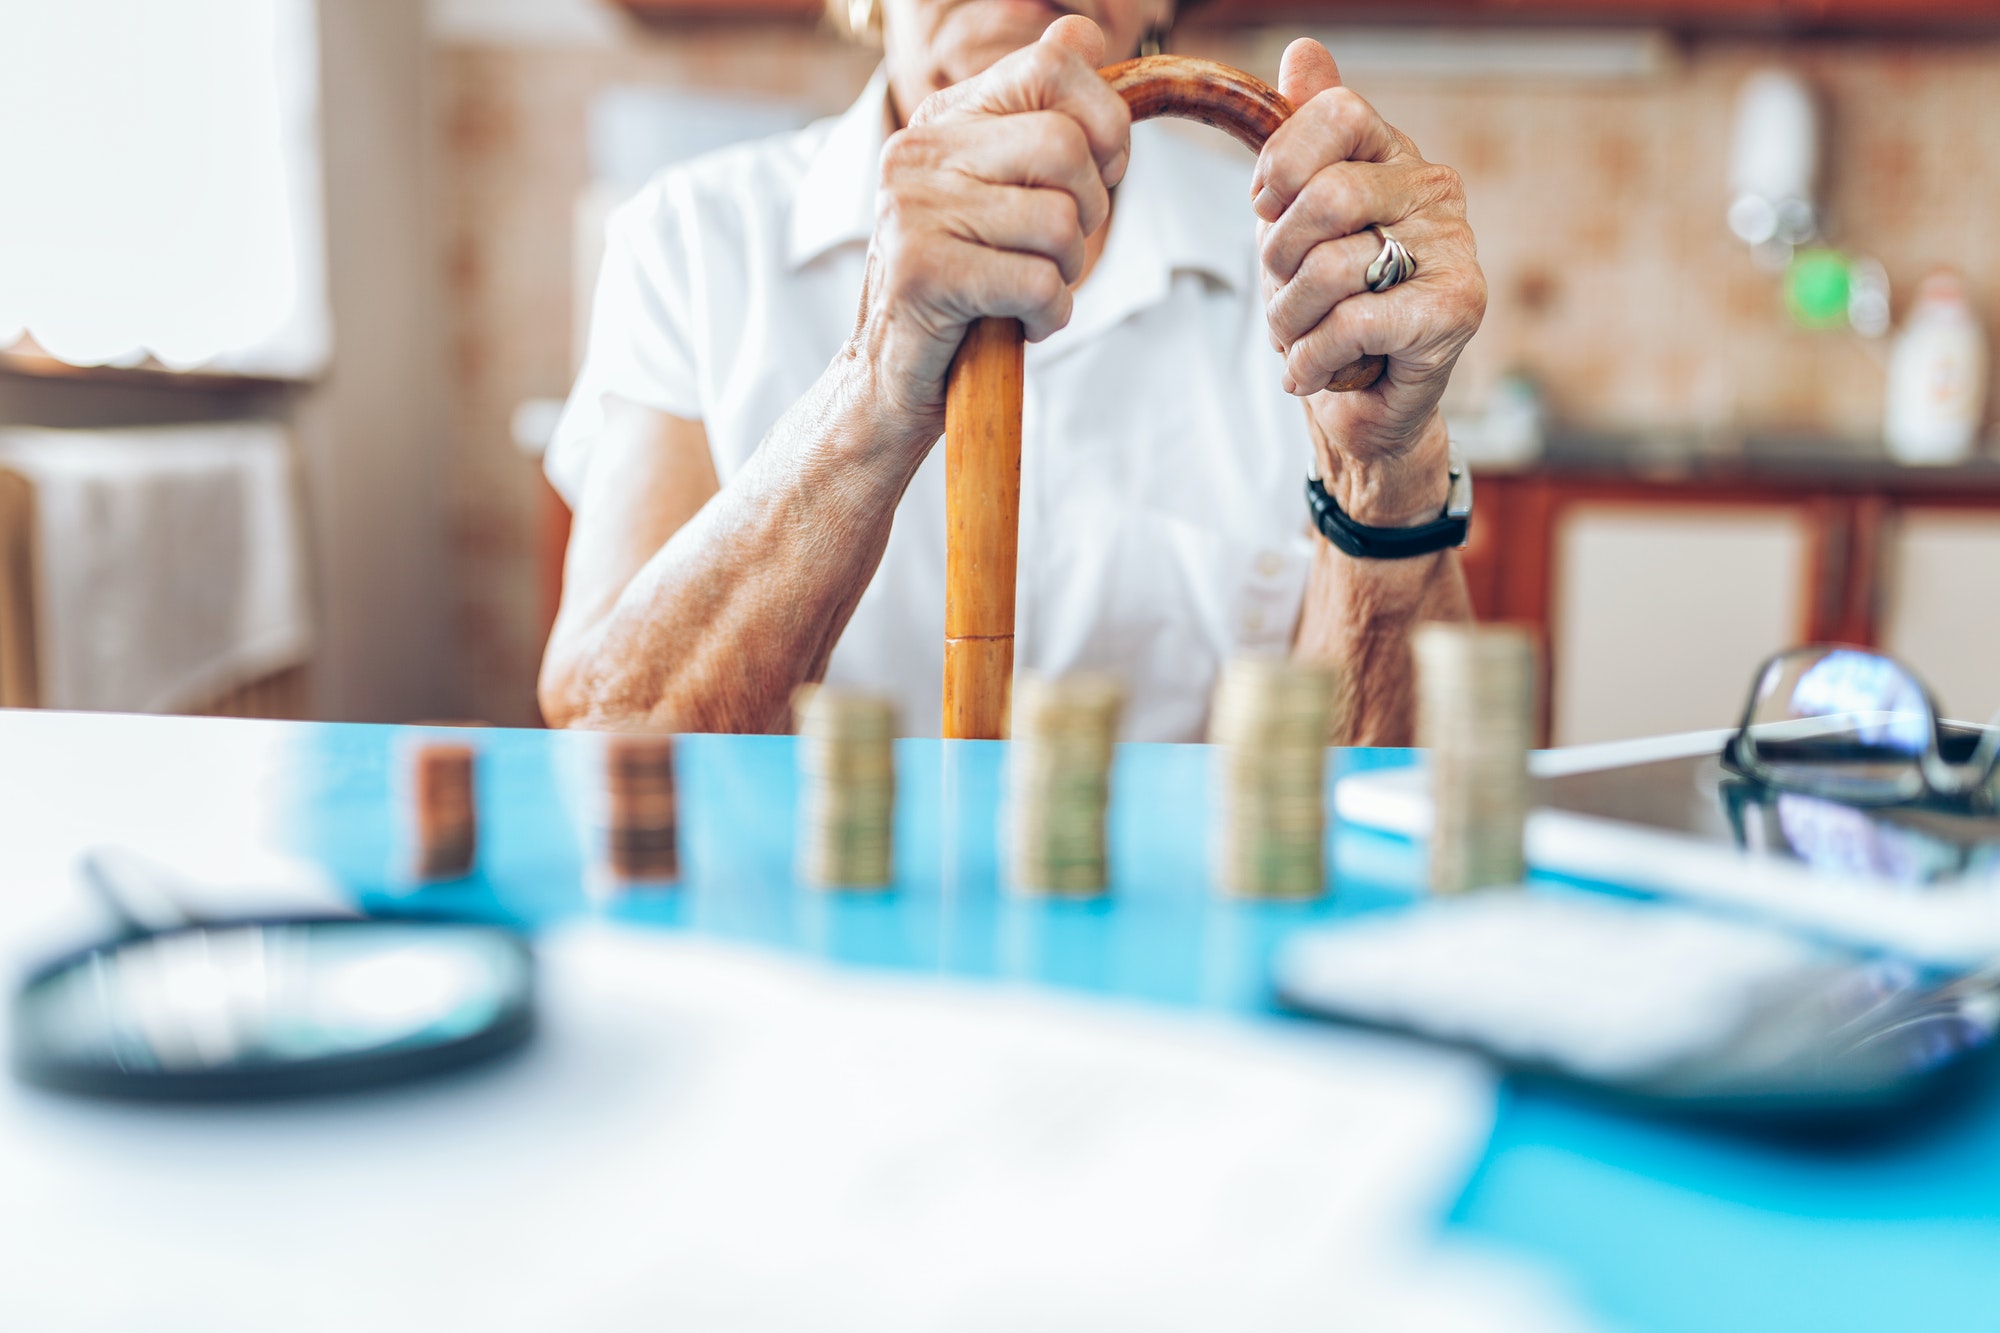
(1358, 616)
(1324, 177)
(695, 607)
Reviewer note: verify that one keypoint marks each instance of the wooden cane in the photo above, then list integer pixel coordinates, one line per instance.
(982, 413)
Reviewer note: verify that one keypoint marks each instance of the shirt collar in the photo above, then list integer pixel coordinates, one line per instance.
(1191, 204)
(835, 204)
(1180, 208)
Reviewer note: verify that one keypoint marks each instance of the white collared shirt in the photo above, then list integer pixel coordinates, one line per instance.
(1163, 469)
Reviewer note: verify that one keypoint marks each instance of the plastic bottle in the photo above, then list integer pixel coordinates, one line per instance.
(1937, 377)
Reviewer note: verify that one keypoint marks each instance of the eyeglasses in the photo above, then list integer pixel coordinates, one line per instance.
(1859, 727)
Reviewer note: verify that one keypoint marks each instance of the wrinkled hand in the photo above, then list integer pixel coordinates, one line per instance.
(985, 200)
(1330, 171)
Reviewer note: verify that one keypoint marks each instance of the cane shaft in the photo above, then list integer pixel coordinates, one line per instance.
(982, 496)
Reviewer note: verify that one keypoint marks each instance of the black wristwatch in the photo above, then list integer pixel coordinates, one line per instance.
(1366, 543)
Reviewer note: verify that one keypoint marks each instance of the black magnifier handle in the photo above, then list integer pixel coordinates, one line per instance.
(138, 892)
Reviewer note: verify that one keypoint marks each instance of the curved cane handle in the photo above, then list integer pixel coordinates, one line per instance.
(982, 414)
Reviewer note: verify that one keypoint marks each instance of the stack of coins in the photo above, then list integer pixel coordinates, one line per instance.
(1059, 783)
(447, 827)
(641, 830)
(847, 773)
(1476, 709)
(1272, 721)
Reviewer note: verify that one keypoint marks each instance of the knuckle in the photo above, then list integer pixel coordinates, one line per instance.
(904, 273)
(1358, 320)
(906, 150)
(1329, 198)
(1322, 266)
(1043, 284)
(1442, 186)
(941, 106)
(1287, 170)
(1054, 219)
(895, 210)
(1472, 298)
(1068, 144)
(1346, 106)
(1276, 323)
(1058, 144)
(1046, 60)
(1303, 365)
(1093, 204)
(902, 286)
(1300, 283)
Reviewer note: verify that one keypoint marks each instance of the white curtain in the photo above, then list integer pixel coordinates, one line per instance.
(160, 183)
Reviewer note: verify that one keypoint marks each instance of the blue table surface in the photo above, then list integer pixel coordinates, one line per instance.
(1654, 1224)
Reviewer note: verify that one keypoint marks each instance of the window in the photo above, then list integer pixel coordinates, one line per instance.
(160, 183)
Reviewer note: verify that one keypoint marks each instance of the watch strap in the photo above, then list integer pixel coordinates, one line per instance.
(1366, 543)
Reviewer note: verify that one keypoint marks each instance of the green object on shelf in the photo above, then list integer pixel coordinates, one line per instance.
(1816, 289)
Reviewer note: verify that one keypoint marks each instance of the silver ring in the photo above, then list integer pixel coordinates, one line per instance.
(1392, 266)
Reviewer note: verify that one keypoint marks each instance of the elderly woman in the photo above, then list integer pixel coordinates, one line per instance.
(749, 449)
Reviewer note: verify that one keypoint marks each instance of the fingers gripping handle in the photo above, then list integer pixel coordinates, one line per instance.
(1240, 105)
(982, 430)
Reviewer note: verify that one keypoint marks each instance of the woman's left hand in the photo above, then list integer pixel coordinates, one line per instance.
(1330, 172)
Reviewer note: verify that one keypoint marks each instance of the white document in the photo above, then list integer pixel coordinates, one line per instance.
(707, 1138)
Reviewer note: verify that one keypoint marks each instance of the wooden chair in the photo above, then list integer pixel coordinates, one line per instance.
(20, 674)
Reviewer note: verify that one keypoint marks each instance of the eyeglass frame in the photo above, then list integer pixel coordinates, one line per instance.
(1969, 782)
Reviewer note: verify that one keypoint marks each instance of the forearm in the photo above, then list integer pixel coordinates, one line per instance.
(747, 599)
(1358, 616)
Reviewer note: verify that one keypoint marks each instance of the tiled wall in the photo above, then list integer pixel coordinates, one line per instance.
(1600, 222)
(513, 125)
(1598, 207)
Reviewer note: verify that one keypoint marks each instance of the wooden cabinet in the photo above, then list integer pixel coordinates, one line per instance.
(1741, 15)
(1883, 16)
(1915, 14)
(1939, 602)
(1659, 612)
(1652, 593)
(1744, 14)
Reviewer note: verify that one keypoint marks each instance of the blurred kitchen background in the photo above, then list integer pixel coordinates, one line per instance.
(287, 311)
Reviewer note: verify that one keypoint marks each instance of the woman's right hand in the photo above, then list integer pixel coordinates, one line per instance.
(984, 204)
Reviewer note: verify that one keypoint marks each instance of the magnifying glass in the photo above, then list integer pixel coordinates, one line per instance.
(184, 1009)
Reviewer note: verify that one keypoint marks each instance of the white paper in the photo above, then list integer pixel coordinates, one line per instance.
(704, 1138)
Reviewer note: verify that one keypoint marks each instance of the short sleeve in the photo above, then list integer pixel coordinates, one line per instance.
(641, 343)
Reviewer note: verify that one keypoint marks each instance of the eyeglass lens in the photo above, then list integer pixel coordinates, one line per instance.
(1841, 721)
